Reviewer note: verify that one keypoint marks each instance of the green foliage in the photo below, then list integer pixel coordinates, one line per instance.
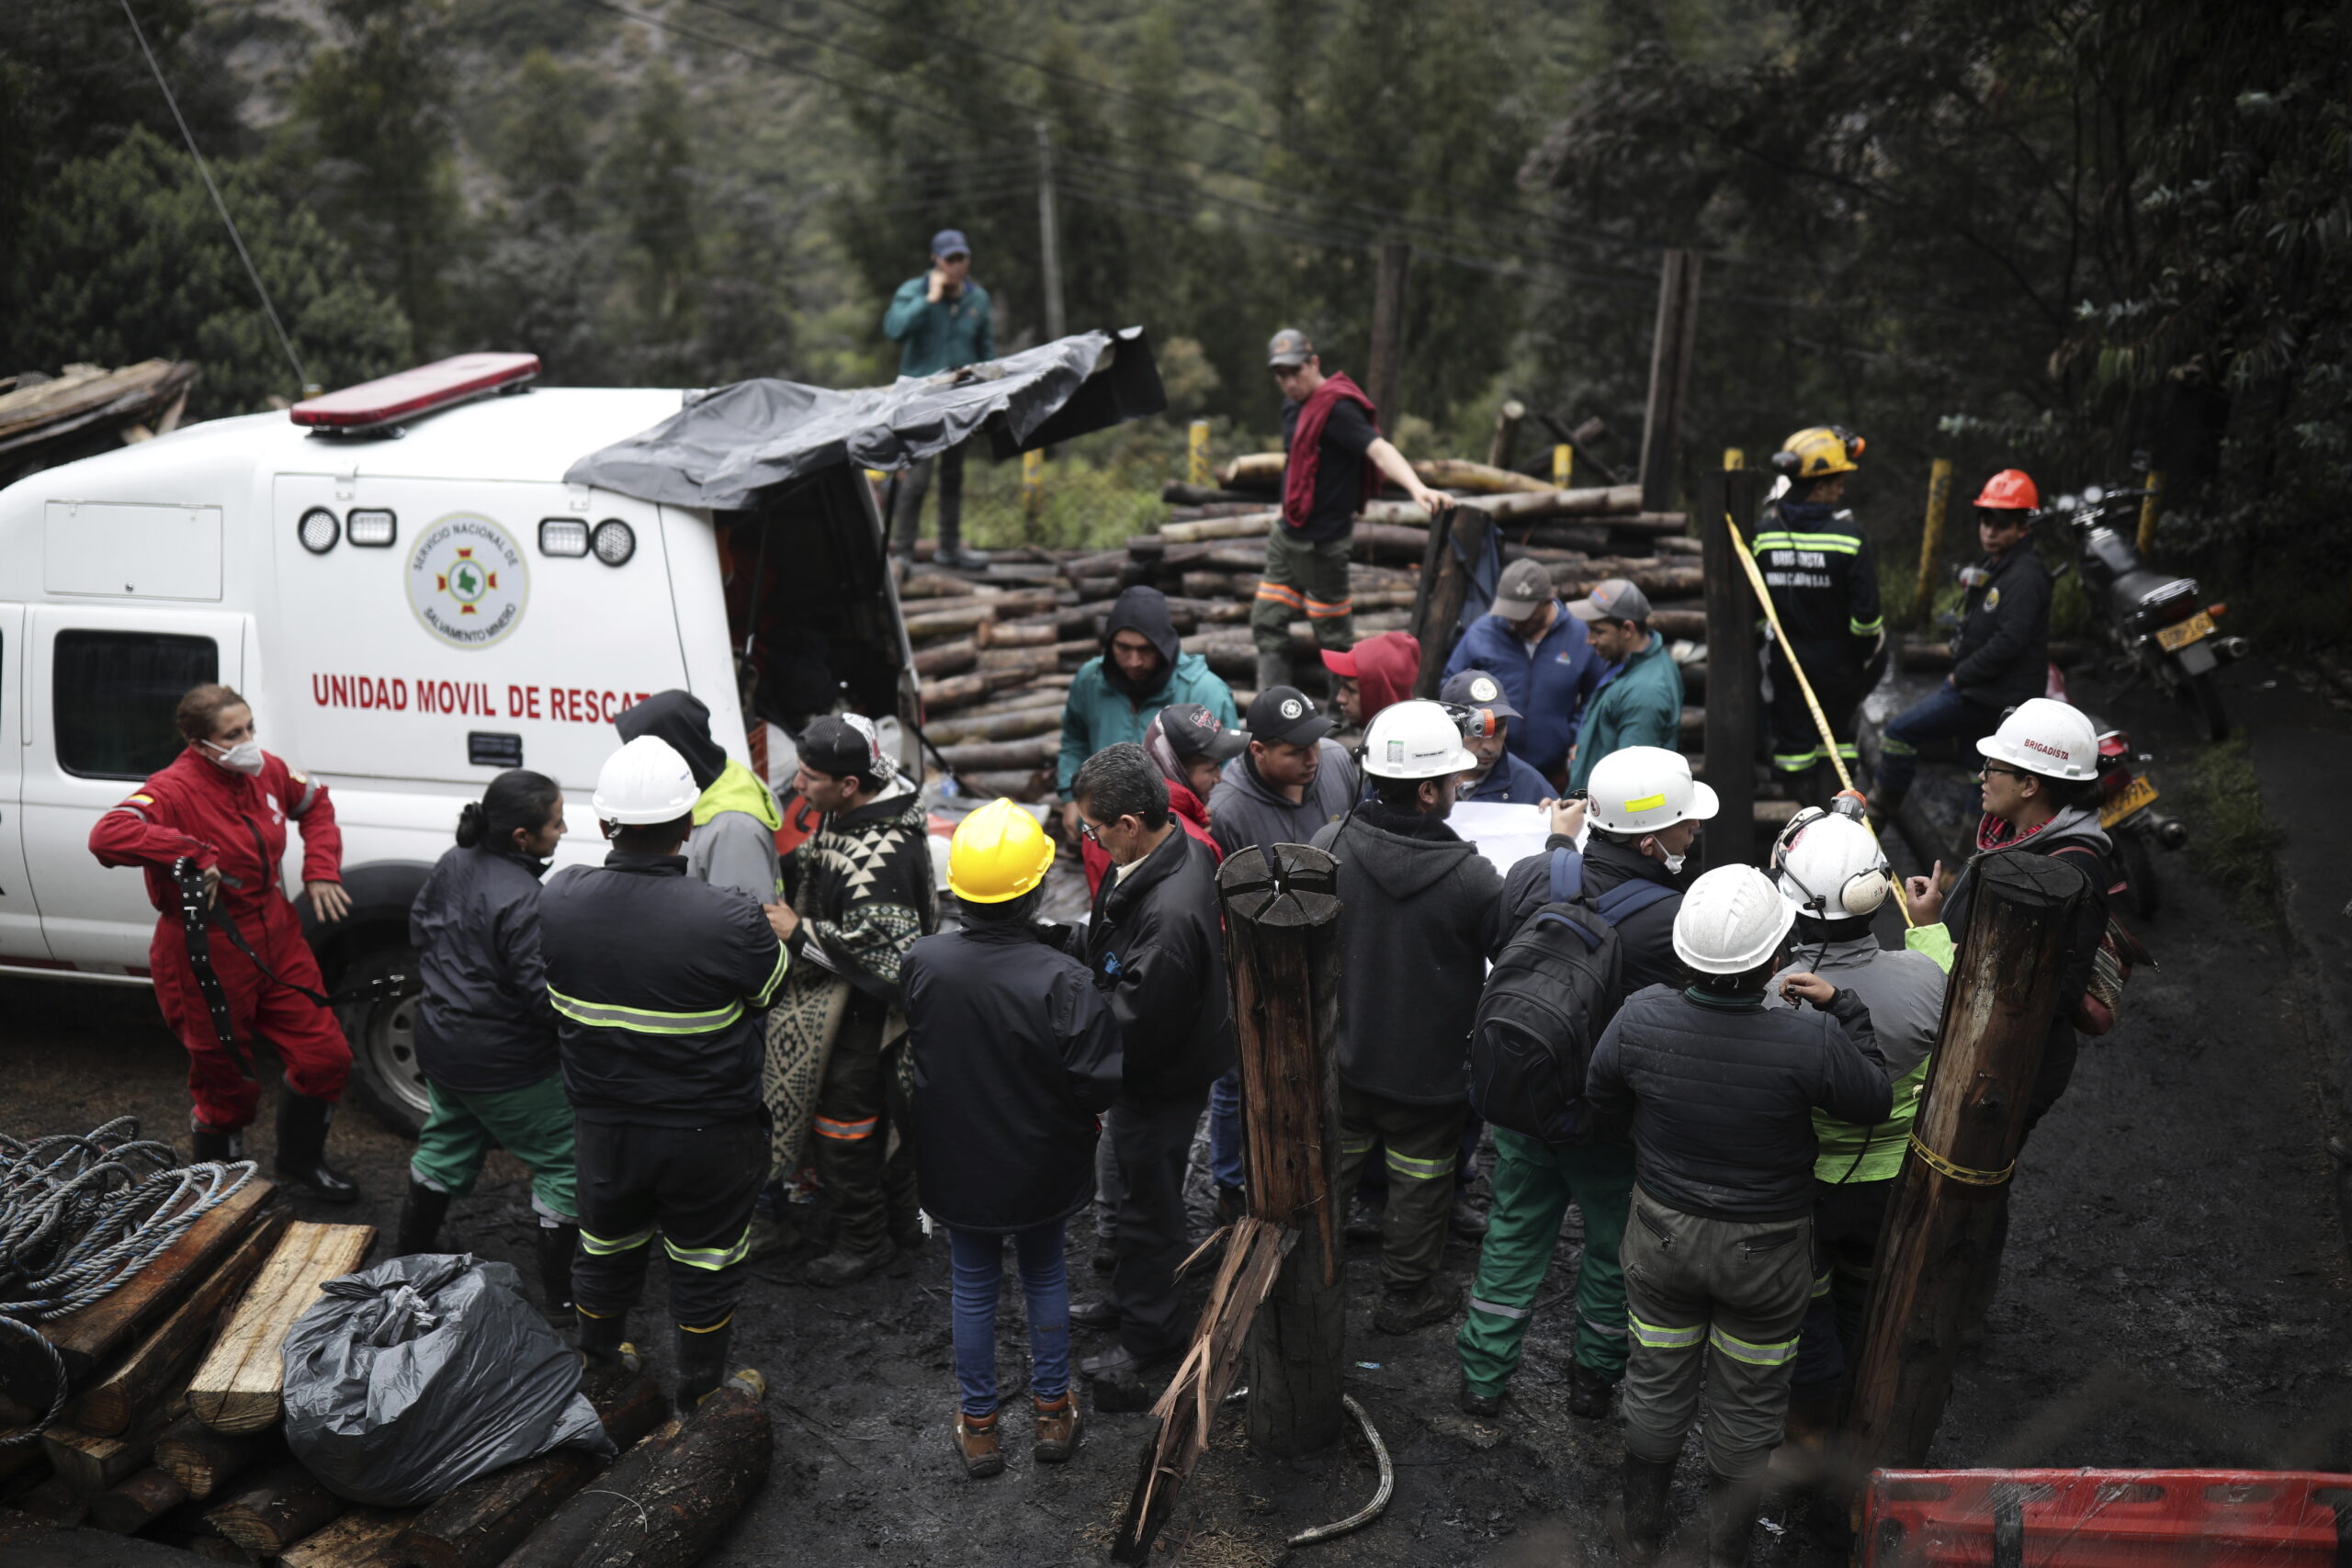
(126, 260)
(2233, 839)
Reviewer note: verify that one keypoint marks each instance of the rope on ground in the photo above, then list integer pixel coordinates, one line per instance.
(1381, 1493)
(80, 1213)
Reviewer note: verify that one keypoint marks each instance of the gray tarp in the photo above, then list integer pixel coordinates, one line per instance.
(727, 444)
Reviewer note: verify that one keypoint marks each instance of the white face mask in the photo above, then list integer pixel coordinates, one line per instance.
(1673, 864)
(244, 757)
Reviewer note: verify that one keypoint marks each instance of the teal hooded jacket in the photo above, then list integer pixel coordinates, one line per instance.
(1637, 703)
(1101, 711)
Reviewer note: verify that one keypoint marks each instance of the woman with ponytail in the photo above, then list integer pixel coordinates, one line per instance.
(485, 1031)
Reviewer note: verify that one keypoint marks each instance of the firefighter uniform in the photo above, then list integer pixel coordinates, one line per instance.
(1825, 586)
(658, 981)
(235, 824)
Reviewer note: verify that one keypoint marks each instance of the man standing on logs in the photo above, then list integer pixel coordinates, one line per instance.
(1157, 952)
(1422, 913)
(1337, 459)
(1718, 1259)
(658, 981)
(941, 321)
(1825, 585)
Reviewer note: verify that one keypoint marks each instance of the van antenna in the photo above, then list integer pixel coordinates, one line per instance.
(302, 378)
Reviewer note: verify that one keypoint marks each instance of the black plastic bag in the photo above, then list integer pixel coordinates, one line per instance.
(411, 1377)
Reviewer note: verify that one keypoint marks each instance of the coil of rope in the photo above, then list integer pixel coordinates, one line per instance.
(80, 1213)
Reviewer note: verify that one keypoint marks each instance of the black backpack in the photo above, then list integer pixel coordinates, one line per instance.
(1549, 996)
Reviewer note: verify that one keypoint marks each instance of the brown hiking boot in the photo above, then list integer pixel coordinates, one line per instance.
(1061, 1426)
(975, 1445)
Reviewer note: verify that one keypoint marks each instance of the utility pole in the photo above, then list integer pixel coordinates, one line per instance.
(1726, 496)
(1049, 246)
(1387, 356)
(1678, 332)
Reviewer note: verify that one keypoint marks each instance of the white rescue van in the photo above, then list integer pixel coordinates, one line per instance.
(410, 611)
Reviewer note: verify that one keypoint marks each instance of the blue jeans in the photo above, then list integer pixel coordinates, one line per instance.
(1937, 726)
(1224, 1129)
(977, 1261)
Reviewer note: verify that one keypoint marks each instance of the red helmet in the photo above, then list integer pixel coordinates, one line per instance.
(2011, 490)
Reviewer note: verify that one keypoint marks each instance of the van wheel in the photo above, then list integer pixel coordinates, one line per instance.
(384, 1042)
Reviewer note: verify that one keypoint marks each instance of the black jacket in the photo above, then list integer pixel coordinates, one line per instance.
(483, 1024)
(1014, 1052)
(1645, 937)
(1721, 1097)
(2074, 836)
(2001, 656)
(1157, 950)
(1420, 913)
(1819, 566)
(659, 982)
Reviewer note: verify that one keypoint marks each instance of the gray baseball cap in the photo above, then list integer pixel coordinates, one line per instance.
(1613, 599)
(1525, 585)
(1290, 347)
(1476, 689)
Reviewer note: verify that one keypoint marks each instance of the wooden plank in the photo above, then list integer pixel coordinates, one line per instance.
(1444, 593)
(236, 1387)
(166, 1356)
(91, 1462)
(283, 1506)
(360, 1538)
(1676, 335)
(135, 1502)
(200, 1459)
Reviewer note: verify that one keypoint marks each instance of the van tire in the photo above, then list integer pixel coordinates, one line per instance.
(384, 1075)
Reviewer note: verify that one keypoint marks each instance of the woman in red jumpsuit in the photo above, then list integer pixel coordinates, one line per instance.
(224, 803)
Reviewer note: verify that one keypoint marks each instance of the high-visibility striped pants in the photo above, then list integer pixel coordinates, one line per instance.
(1303, 581)
(687, 1191)
(1718, 1302)
(1533, 1185)
(1421, 1143)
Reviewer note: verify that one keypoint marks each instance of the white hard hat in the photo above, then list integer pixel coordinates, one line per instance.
(1732, 921)
(644, 782)
(1415, 741)
(1831, 867)
(1641, 789)
(2051, 738)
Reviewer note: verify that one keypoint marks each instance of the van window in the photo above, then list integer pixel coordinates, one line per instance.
(114, 694)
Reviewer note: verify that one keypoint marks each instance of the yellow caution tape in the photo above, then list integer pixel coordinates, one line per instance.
(1961, 1172)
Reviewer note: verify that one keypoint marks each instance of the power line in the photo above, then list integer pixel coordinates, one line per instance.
(302, 378)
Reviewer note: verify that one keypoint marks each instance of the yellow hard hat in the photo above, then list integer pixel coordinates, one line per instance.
(1823, 449)
(999, 853)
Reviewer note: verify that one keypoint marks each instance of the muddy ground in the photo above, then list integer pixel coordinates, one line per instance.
(2176, 1291)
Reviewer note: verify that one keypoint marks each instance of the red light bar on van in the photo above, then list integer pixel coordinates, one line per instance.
(391, 399)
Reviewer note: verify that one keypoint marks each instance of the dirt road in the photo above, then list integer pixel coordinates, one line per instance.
(2176, 1291)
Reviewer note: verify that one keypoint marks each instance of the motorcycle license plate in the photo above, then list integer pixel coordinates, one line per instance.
(2141, 794)
(2172, 639)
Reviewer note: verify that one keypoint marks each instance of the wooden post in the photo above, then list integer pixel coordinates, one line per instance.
(2148, 505)
(1386, 360)
(1931, 539)
(1732, 674)
(1670, 347)
(1049, 232)
(1940, 1227)
(1457, 540)
(1196, 453)
(1506, 421)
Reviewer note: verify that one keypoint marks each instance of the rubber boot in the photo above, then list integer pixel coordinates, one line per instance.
(852, 1170)
(602, 1339)
(1274, 669)
(702, 1364)
(1731, 1518)
(422, 1213)
(302, 1147)
(1637, 1516)
(556, 1246)
(207, 1147)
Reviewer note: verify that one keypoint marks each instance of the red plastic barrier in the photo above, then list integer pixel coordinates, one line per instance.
(2107, 1518)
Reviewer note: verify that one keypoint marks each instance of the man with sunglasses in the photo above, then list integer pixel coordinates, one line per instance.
(940, 319)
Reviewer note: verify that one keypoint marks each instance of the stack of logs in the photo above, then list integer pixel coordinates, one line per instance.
(995, 650)
(173, 1432)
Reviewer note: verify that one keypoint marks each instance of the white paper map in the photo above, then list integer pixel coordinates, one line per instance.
(1504, 834)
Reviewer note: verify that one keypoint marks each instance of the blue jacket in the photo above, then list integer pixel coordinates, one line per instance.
(1513, 783)
(1548, 689)
(1638, 703)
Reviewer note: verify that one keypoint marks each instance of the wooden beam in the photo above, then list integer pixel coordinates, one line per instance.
(563, 1537)
(166, 1356)
(1508, 416)
(1384, 363)
(361, 1537)
(200, 1459)
(236, 1389)
(1732, 675)
(1670, 347)
(283, 1505)
(1456, 542)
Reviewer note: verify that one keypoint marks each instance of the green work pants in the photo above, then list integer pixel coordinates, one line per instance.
(1717, 1301)
(1420, 1141)
(1534, 1184)
(1302, 580)
(534, 1124)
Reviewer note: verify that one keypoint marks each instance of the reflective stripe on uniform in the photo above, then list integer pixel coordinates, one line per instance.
(643, 1020)
(1355, 1146)
(711, 1257)
(1282, 594)
(1421, 1169)
(849, 1132)
(1820, 1285)
(766, 993)
(1602, 1329)
(605, 1247)
(1833, 544)
(1778, 1353)
(690, 1328)
(1867, 628)
(1658, 1336)
(1323, 610)
(1497, 1309)
(1790, 761)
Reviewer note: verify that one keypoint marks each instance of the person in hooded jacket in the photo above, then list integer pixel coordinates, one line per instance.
(733, 844)
(1142, 666)
(1016, 1055)
(1371, 675)
(1420, 915)
(1158, 952)
(1293, 781)
(485, 1028)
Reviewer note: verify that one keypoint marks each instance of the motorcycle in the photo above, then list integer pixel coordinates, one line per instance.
(2156, 621)
(2127, 810)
